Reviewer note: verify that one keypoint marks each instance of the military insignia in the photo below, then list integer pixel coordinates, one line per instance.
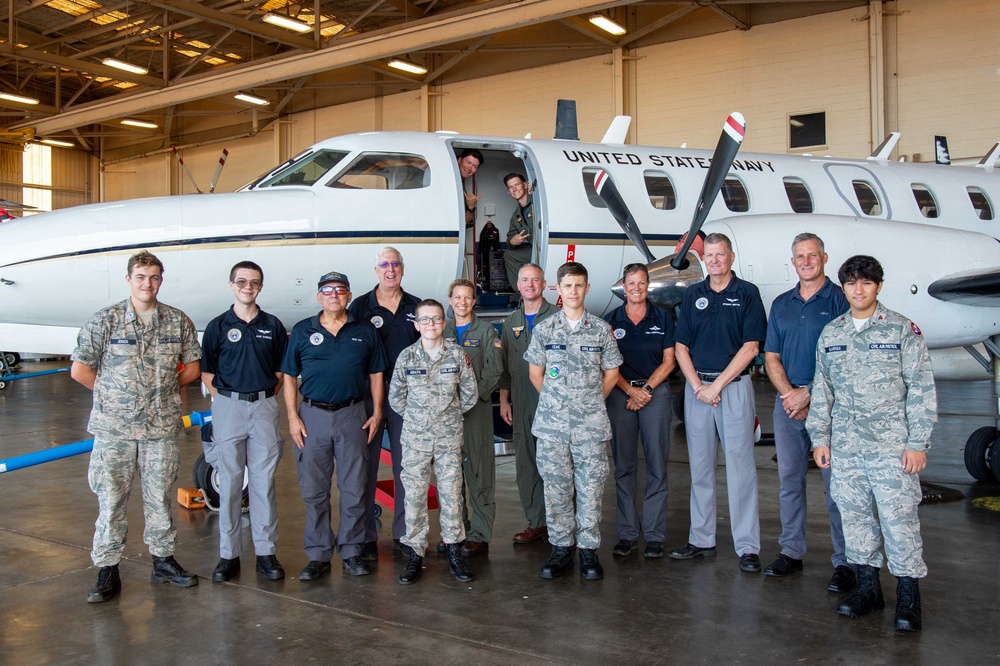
(619, 333)
(915, 329)
(316, 339)
(129, 316)
(518, 330)
(701, 303)
(234, 335)
(377, 321)
(468, 362)
(554, 371)
(470, 343)
(497, 343)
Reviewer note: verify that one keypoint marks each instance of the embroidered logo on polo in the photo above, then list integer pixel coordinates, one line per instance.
(377, 321)
(732, 302)
(416, 371)
(619, 333)
(554, 371)
(884, 345)
(234, 334)
(701, 303)
(316, 339)
(835, 348)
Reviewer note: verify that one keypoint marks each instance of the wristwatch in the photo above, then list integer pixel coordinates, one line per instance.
(647, 388)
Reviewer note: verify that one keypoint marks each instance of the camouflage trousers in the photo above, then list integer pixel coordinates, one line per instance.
(416, 477)
(573, 474)
(878, 504)
(113, 464)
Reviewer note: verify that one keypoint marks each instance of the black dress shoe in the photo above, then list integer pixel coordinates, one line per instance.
(653, 549)
(369, 552)
(590, 566)
(108, 584)
(355, 567)
(315, 569)
(750, 562)
(692, 551)
(226, 569)
(270, 567)
(624, 547)
(167, 570)
(783, 566)
(560, 561)
(844, 579)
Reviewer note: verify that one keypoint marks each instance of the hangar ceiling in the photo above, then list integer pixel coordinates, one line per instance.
(191, 58)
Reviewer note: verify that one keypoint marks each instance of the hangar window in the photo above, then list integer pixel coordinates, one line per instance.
(385, 171)
(807, 130)
(925, 200)
(307, 170)
(660, 190)
(588, 185)
(981, 203)
(798, 195)
(735, 195)
(867, 199)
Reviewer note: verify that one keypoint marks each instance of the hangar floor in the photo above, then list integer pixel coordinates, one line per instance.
(643, 612)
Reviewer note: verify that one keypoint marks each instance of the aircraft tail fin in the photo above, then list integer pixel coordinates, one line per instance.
(990, 158)
(566, 128)
(617, 130)
(941, 154)
(886, 147)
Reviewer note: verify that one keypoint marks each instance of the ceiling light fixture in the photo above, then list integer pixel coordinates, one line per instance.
(251, 99)
(607, 25)
(57, 142)
(286, 22)
(132, 122)
(125, 66)
(11, 97)
(407, 66)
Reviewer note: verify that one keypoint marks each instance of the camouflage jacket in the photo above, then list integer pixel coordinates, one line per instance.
(431, 395)
(873, 390)
(481, 344)
(136, 393)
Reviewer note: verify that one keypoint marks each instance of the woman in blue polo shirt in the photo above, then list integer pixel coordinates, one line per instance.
(640, 404)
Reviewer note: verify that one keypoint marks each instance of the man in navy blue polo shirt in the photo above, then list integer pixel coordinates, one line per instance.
(390, 311)
(242, 351)
(338, 356)
(797, 318)
(720, 328)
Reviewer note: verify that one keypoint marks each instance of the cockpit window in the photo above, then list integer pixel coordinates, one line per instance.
(798, 195)
(589, 173)
(385, 171)
(660, 190)
(981, 203)
(867, 199)
(306, 171)
(735, 195)
(925, 200)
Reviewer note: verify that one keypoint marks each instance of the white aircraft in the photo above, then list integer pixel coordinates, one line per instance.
(933, 227)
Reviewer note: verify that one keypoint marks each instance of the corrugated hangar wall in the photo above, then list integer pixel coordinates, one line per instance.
(941, 77)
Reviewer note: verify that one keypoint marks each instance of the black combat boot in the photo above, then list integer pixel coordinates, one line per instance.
(167, 570)
(457, 564)
(590, 567)
(907, 604)
(867, 595)
(560, 561)
(109, 583)
(411, 571)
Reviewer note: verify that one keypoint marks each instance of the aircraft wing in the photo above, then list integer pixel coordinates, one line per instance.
(977, 287)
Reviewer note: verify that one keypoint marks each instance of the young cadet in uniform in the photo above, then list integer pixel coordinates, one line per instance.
(719, 330)
(515, 384)
(432, 386)
(127, 354)
(241, 367)
(874, 406)
(478, 339)
(390, 311)
(797, 318)
(520, 229)
(339, 357)
(573, 363)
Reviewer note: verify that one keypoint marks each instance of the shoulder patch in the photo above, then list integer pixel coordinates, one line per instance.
(468, 362)
(497, 343)
(915, 329)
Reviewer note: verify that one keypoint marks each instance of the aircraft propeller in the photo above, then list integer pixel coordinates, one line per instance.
(612, 198)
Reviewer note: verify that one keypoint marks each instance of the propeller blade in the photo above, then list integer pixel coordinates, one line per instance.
(15, 206)
(619, 209)
(218, 170)
(725, 152)
(184, 167)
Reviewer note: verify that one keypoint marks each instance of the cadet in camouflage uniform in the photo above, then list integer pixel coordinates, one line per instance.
(873, 409)
(515, 385)
(128, 355)
(478, 339)
(432, 385)
(573, 363)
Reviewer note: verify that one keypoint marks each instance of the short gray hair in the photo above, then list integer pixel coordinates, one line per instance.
(807, 236)
(386, 250)
(715, 238)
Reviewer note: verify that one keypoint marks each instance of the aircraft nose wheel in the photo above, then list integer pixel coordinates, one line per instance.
(982, 455)
(206, 478)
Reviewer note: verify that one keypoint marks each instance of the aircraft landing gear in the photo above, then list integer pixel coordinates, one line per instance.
(982, 451)
(11, 358)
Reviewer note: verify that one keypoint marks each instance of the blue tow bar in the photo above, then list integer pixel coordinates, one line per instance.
(11, 377)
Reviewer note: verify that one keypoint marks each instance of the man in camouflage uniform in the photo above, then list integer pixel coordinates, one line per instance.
(127, 354)
(515, 385)
(432, 386)
(573, 363)
(873, 409)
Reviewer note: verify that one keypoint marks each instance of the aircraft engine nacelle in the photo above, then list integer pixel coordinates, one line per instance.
(666, 284)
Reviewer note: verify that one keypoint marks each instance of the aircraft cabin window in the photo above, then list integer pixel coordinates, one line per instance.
(735, 195)
(798, 195)
(306, 172)
(980, 202)
(867, 199)
(660, 190)
(385, 171)
(925, 200)
(588, 185)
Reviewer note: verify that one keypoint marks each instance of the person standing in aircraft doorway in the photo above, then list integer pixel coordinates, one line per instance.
(520, 229)
(469, 162)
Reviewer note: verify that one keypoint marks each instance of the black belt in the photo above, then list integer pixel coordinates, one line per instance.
(247, 397)
(331, 407)
(712, 376)
(637, 382)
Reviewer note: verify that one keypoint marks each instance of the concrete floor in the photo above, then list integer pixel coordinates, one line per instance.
(643, 612)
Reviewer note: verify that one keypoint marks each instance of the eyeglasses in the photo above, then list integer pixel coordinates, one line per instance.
(430, 320)
(327, 289)
(254, 284)
(386, 264)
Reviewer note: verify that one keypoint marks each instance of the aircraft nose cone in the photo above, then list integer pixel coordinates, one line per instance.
(667, 284)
